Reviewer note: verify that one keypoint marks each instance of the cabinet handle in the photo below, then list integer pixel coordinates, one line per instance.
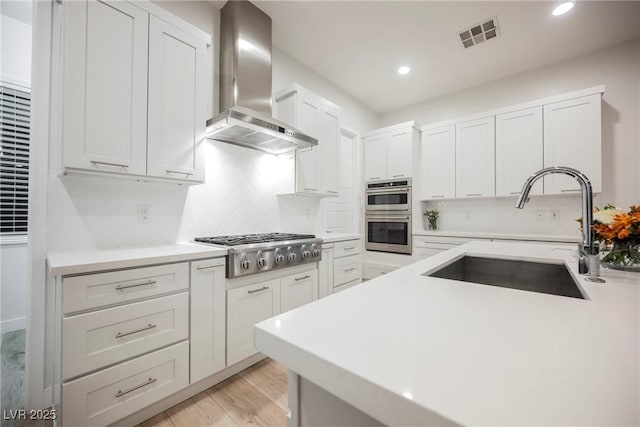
(514, 192)
(437, 197)
(253, 291)
(332, 192)
(135, 331)
(122, 287)
(297, 279)
(118, 165)
(206, 267)
(180, 173)
(350, 248)
(397, 176)
(348, 270)
(569, 190)
(311, 189)
(121, 393)
(474, 194)
(375, 177)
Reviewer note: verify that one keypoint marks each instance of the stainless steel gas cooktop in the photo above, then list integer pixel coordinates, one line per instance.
(257, 253)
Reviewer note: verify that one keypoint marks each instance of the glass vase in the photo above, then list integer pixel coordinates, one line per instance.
(623, 255)
(432, 223)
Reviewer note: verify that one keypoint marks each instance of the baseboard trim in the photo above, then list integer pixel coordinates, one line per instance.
(186, 393)
(10, 325)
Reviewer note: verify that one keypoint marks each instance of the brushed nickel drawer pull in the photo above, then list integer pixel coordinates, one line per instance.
(264, 288)
(349, 248)
(148, 282)
(375, 177)
(332, 192)
(135, 331)
(311, 189)
(474, 194)
(121, 393)
(206, 267)
(118, 165)
(437, 197)
(349, 270)
(397, 176)
(514, 192)
(569, 190)
(297, 279)
(180, 173)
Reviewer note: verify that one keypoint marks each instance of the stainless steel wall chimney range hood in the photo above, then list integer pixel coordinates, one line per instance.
(245, 85)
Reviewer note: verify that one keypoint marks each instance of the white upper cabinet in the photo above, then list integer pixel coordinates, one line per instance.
(389, 152)
(122, 61)
(176, 108)
(573, 137)
(475, 158)
(105, 87)
(316, 168)
(518, 150)
(438, 163)
(375, 157)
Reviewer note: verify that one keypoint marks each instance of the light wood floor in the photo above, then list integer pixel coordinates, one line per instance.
(256, 396)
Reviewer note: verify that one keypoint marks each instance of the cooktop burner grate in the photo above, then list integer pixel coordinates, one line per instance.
(247, 239)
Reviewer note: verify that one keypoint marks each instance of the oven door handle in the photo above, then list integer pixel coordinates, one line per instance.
(386, 190)
(373, 218)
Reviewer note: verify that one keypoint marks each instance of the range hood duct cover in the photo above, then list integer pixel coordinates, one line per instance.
(245, 85)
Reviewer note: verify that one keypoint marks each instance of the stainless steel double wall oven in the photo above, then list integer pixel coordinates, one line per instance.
(388, 216)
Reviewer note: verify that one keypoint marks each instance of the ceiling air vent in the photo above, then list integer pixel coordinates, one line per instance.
(486, 30)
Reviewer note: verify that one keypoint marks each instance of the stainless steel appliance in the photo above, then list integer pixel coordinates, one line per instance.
(387, 196)
(245, 85)
(388, 216)
(256, 253)
(388, 233)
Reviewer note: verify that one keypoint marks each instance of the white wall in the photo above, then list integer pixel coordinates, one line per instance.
(618, 68)
(15, 68)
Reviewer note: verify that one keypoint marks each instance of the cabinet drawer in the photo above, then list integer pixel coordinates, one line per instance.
(346, 269)
(346, 286)
(111, 394)
(93, 340)
(371, 271)
(422, 253)
(116, 287)
(342, 249)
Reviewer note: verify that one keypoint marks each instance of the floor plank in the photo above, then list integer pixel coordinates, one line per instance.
(270, 378)
(160, 420)
(246, 405)
(199, 411)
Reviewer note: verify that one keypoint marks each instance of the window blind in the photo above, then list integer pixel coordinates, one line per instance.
(15, 118)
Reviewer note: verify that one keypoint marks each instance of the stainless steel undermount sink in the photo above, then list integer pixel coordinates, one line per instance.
(541, 277)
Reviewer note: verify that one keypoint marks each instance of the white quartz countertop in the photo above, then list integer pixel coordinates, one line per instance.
(338, 237)
(502, 236)
(414, 350)
(78, 262)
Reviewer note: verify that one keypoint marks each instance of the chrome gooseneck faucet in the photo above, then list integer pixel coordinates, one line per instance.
(589, 258)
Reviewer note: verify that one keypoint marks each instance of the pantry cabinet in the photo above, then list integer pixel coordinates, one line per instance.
(438, 163)
(573, 137)
(316, 168)
(389, 153)
(518, 150)
(133, 92)
(208, 318)
(475, 158)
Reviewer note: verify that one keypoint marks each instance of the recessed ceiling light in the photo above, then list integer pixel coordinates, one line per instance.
(563, 8)
(404, 70)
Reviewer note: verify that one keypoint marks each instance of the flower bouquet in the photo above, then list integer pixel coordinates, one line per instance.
(620, 232)
(432, 218)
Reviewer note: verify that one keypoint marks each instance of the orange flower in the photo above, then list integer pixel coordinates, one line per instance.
(623, 234)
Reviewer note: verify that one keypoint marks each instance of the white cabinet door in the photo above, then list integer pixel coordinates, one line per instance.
(329, 130)
(105, 87)
(176, 102)
(438, 163)
(475, 158)
(572, 137)
(208, 316)
(325, 273)
(518, 150)
(298, 289)
(399, 153)
(375, 161)
(247, 306)
(307, 120)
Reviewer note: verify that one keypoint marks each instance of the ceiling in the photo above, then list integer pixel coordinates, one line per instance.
(359, 45)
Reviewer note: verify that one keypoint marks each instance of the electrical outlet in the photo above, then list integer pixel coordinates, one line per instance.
(554, 214)
(540, 214)
(144, 214)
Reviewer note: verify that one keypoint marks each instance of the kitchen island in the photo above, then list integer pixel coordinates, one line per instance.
(407, 349)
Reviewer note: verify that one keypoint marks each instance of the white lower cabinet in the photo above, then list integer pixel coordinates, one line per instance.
(113, 393)
(298, 289)
(208, 318)
(247, 306)
(325, 271)
(346, 270)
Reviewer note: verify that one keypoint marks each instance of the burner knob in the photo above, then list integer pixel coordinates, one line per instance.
(315, 252)
(279, 258)
(262, 262)
(291, 257)
(305, 254)
(245, 264)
